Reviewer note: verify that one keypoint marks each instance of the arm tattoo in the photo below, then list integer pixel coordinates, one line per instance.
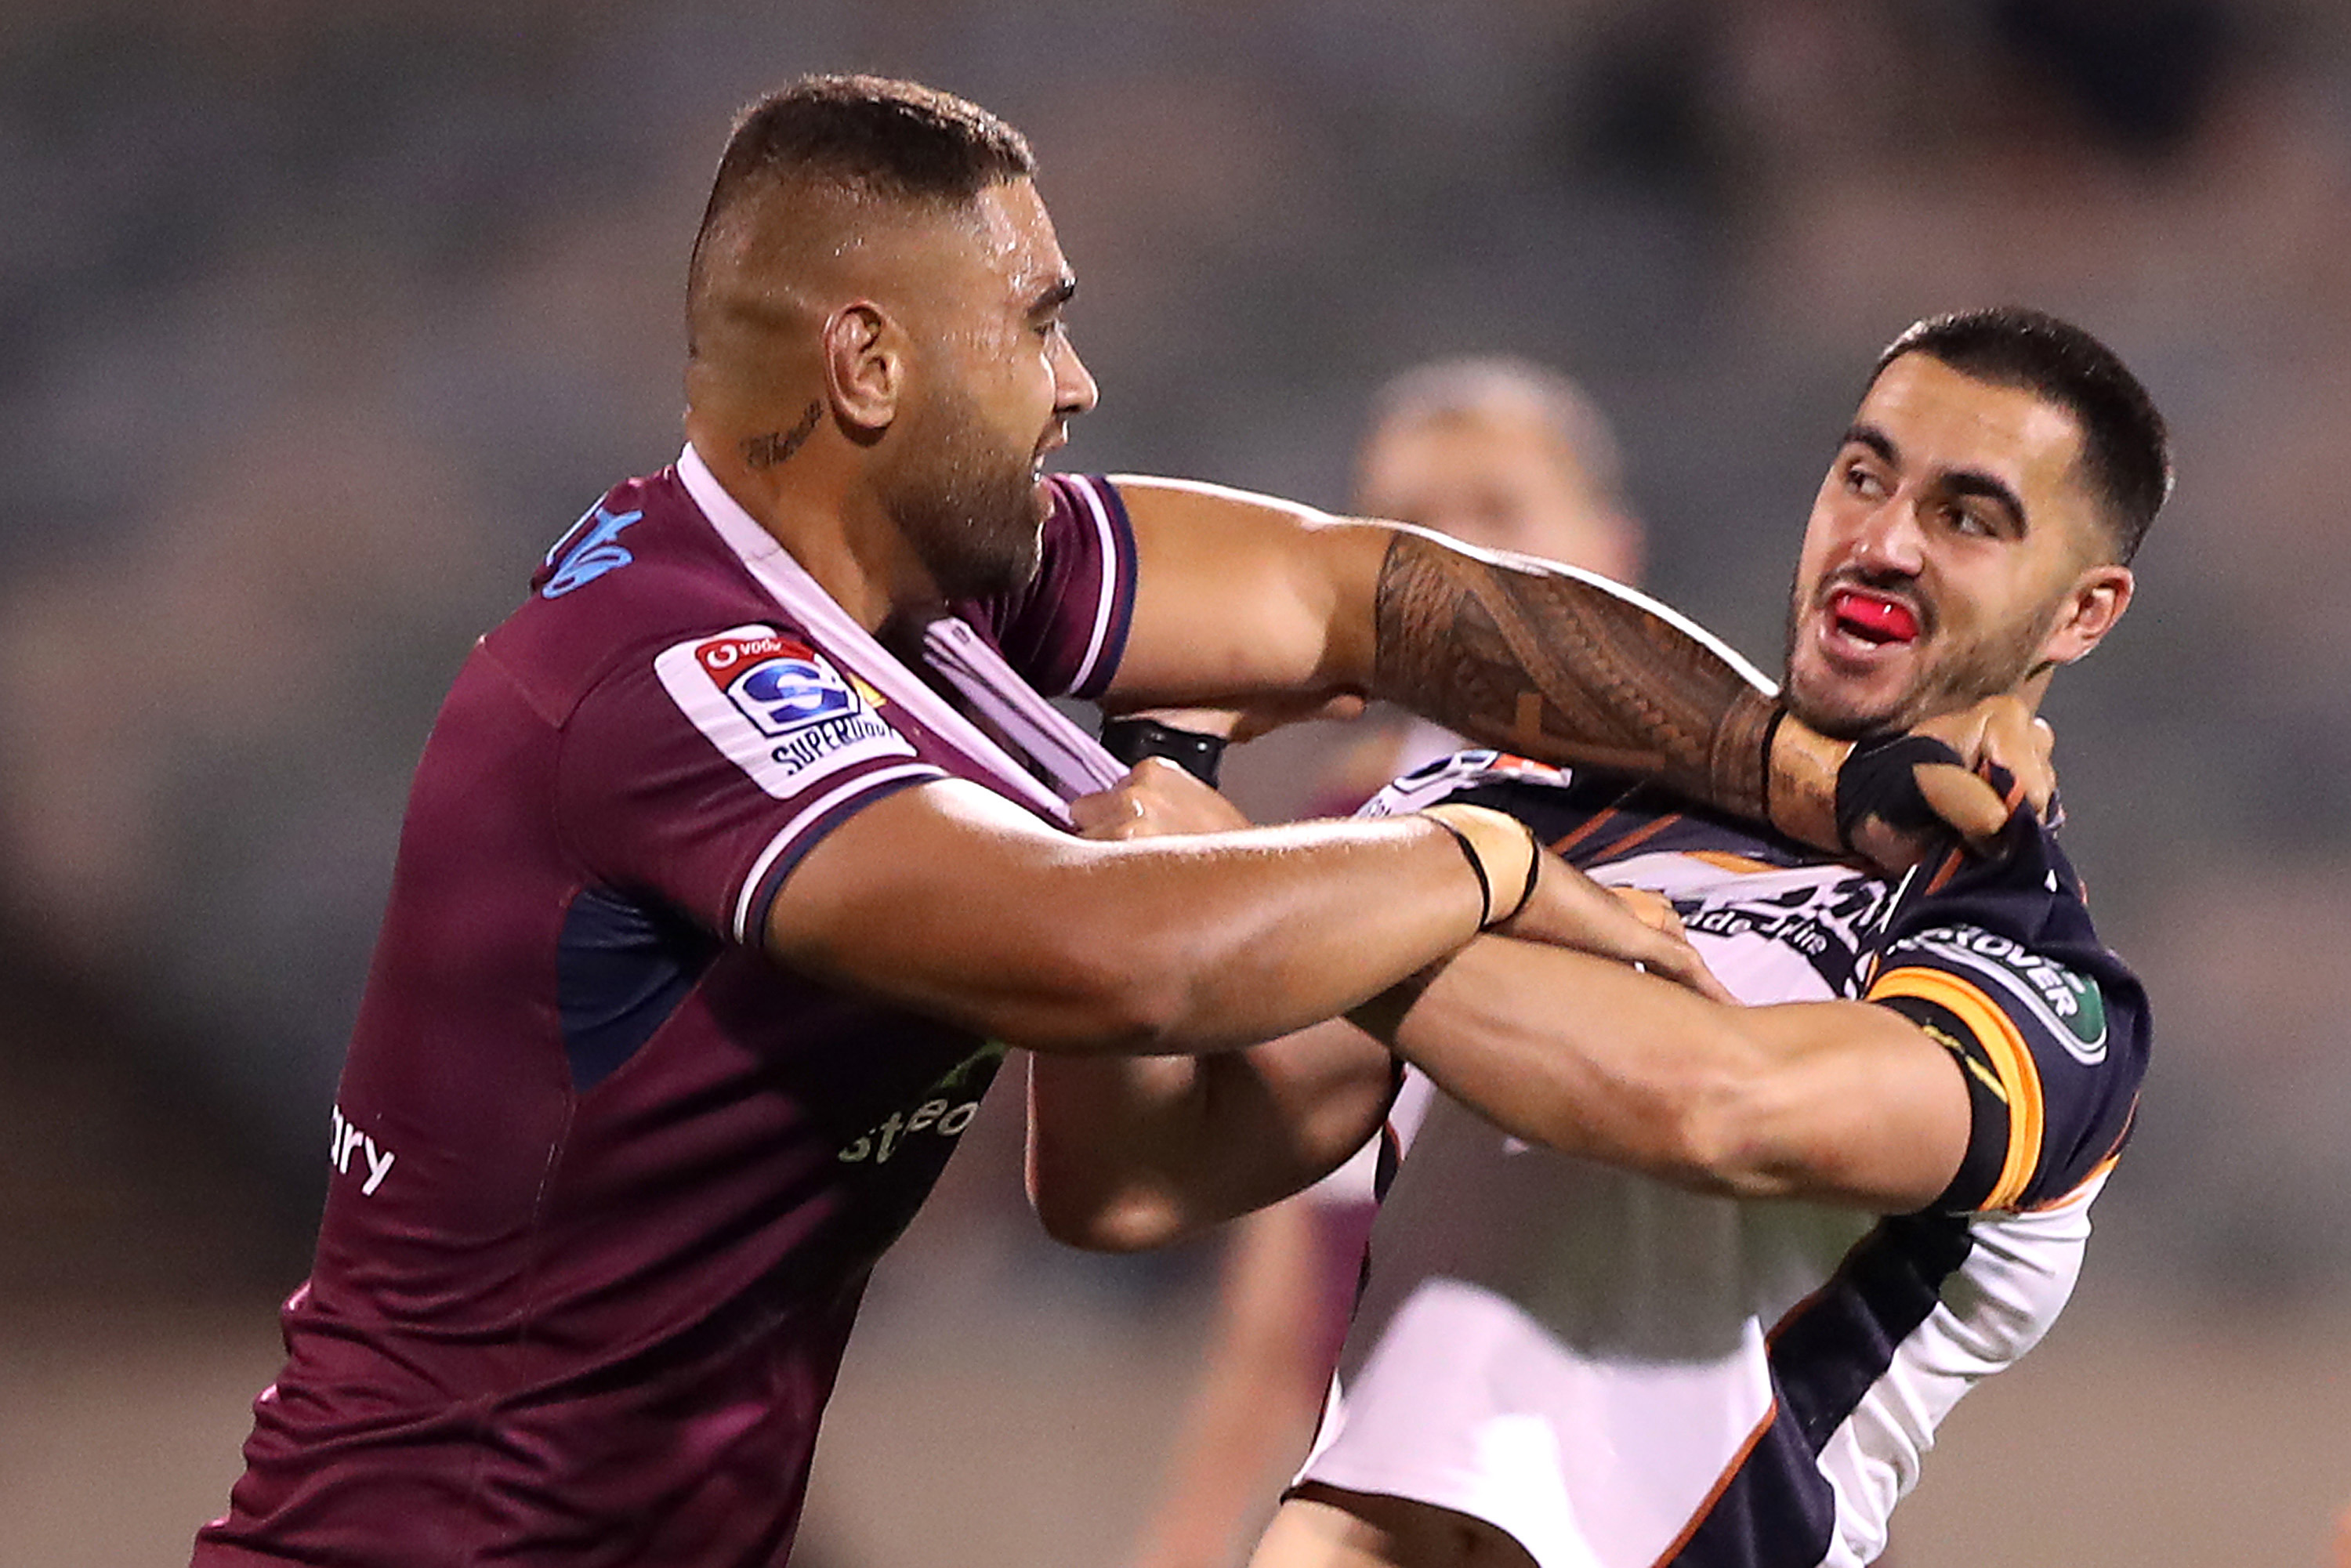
(766, 450)
(1557, 668)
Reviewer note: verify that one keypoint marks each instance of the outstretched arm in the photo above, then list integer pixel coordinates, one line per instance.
(1243, 601)
(951, 901)
(1838, 1101)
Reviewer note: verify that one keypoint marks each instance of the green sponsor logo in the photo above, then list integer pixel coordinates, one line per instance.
(2070, 1005)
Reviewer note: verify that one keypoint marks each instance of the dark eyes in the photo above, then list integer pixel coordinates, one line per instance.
(1862, 480)
(1962, 515)
(1967, 520)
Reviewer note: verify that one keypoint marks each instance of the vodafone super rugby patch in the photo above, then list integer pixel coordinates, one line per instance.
(777, 707)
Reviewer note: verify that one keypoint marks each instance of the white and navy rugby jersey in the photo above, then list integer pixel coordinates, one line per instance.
(1620, 1372)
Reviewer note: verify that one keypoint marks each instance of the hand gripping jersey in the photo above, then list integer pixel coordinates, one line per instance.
(1620, 1372)
(607, 1182)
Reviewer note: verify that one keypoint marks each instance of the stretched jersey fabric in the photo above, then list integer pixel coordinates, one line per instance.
(606, 1182)
(1622, 1373)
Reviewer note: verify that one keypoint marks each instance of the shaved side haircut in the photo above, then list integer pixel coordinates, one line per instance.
(853, 139)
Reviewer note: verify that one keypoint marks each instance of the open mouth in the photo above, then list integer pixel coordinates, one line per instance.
(1873, 618)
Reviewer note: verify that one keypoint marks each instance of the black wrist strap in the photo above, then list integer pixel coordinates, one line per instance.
(1477, 869)
(1132, 738)
(1879, 779)
(1534, 875)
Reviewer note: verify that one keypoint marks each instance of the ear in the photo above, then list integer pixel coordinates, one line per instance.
(864, 366)
(2098, 598)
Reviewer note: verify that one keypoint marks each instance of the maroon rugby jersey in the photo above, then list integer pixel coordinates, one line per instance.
(607, 1182)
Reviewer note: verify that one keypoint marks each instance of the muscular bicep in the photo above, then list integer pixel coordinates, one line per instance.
(1850, 1103)
(1239, 595)
(948, 900)
(931, 899)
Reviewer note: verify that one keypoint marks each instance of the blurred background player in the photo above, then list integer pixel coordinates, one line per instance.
(1501, 453)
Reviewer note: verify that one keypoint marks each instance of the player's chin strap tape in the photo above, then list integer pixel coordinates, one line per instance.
(1134, 738)
(1879, 779)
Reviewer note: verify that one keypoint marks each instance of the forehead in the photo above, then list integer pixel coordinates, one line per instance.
(1011, 241)
(1942, 419)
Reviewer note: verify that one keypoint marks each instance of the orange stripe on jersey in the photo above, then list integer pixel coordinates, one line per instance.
(1721, 1484)
(1738, 865)
(2004, 1047)
(1590, 826)
(1633, 840)
(2070, 1194)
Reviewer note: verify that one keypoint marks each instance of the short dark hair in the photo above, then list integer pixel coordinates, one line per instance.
(2126, 448)
(866, 135)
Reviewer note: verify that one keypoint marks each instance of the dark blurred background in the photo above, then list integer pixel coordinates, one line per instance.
(321, 320)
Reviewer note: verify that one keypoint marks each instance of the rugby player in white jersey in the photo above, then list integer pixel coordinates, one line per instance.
(1698, 1285)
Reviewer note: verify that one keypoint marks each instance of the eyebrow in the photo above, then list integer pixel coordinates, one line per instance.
(1876, 440)
(1055, 297)
(1958, 481)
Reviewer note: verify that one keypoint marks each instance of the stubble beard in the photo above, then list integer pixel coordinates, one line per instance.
(972, 512)
(1953, 680)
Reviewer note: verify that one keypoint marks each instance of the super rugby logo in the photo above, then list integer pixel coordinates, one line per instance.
(791, 695)
(778, 708)
(778, 685)
(2069, 1006)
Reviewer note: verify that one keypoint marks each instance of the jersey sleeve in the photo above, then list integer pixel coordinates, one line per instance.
(702, 771)
(1066, 629)
(2047, 1025)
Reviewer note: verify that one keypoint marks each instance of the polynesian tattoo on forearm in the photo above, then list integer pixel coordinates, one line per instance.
(1561, 669)
(766, 450)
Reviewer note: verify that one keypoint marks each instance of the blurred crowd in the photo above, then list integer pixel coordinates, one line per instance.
(326, 320)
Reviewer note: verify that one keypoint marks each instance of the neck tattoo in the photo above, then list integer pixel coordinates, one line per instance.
(766, 450)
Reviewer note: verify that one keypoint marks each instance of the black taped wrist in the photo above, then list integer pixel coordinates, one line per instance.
(1879, 780)
(1132, 738)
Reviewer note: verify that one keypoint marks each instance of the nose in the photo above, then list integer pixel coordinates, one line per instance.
(1074, 392)
(1889, 537)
